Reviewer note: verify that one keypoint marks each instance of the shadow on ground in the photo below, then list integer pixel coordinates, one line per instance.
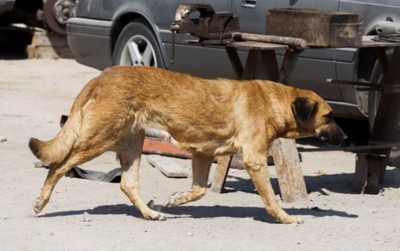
(338, 183)
(13, 42)
(201, 212)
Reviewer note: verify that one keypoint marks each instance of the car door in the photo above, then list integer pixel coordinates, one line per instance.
(314, 65)
(97, 9)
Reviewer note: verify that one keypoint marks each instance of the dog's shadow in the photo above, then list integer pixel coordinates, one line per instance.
(201, 212)
(257, 213)
(119, 209)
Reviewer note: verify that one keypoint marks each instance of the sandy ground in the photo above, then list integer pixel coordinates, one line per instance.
(90, 215)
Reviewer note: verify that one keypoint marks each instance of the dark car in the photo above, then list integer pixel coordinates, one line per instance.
(6, 5)
(50, 14)
(136, 32)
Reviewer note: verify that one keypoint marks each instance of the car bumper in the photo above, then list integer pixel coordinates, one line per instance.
(89, 40)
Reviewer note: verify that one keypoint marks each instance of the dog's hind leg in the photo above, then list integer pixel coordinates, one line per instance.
(53, 176)
(129, 153)
(87, 148)
(57, 171)
(256, 165)
(200, 170)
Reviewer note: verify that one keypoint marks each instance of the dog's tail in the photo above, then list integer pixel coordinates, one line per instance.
(54, 151)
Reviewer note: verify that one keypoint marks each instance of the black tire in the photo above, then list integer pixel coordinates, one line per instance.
(137, 45)
(375, 96)
(373, 101)
(56, 14)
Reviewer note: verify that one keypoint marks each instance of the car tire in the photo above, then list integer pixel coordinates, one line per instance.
(137, 45)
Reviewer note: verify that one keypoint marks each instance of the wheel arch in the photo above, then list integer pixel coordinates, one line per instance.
(132, 16)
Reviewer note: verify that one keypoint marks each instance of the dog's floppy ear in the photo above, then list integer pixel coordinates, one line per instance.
(303, 109)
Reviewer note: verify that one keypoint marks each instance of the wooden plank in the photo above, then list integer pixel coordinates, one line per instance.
(361, 149)
(290, 41)
(360, 179)
(153, 145)
(288, 65)
(320, 28)
(256, 45)
(369, 173)
(48, 45)
(168, 167)
(368, 42)
(221, 172)
(235, 61)
(290, 175)
(256, 64)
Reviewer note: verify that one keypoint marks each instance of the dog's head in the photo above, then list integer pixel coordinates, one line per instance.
(314, 117)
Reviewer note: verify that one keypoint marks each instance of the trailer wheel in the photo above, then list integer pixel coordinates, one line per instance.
(56, 14)
(375, 96)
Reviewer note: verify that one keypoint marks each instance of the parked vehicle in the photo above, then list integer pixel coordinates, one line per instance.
(50, 14)
(136, 32)
(6, 5)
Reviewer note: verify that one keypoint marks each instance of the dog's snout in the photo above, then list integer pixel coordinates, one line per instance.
(344, 139)
(332, 135)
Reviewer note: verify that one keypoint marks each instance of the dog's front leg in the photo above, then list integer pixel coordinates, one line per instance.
(256, 166)
(200, 170)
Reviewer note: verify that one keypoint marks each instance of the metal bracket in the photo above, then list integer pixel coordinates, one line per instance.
(210, 26)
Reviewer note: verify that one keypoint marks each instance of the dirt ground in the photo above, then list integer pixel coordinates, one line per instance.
(92, 215)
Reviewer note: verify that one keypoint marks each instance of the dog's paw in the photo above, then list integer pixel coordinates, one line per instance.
(174, 199)
(293, 220)
(154, 213)
(37, 206)
(156, 216)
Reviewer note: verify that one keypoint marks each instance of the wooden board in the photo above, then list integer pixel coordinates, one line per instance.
(319, 28)
(168, 167)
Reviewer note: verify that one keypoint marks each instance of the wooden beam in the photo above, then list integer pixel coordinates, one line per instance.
(290, 41)
(221, 173)
(288, 169)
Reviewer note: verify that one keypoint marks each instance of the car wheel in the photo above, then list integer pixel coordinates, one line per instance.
(137, 45)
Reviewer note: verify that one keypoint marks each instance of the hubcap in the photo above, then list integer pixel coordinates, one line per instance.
(63, 10)
(138, 51)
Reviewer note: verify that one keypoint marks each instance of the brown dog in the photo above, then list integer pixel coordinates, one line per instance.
(206, 117)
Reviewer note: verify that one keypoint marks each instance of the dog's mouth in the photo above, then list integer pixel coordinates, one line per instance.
(337, 138)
